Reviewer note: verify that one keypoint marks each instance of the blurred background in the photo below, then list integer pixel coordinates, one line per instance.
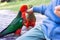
(14, 5)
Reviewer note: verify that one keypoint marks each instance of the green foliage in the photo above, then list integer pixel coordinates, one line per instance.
(16, 5)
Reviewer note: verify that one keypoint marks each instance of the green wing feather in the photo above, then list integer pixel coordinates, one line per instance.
(13, 26)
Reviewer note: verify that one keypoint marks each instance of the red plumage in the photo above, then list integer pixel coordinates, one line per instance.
(26, 21)
(23, 8)
(18, 32)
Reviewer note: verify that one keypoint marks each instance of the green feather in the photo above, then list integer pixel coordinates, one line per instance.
(13, 26)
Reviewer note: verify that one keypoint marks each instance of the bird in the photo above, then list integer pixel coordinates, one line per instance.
(17, 23)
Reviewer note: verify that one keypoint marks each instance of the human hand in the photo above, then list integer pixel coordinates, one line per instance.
(30, 11)
(57, 10)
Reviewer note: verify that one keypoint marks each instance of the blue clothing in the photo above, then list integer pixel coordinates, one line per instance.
(50, 26)
(49, 10)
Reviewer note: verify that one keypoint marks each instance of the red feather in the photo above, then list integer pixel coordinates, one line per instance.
(23, 8)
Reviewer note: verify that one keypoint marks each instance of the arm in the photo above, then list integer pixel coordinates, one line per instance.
(38, 9)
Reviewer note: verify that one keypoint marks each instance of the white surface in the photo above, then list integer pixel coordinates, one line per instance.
(6, 16)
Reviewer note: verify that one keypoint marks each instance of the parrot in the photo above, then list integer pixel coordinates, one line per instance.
(17, 23)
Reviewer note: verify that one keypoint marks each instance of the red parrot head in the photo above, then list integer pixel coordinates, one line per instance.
(23, 8)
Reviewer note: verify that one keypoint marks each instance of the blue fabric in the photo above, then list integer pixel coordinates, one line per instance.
(50, 26)
(40, 9)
